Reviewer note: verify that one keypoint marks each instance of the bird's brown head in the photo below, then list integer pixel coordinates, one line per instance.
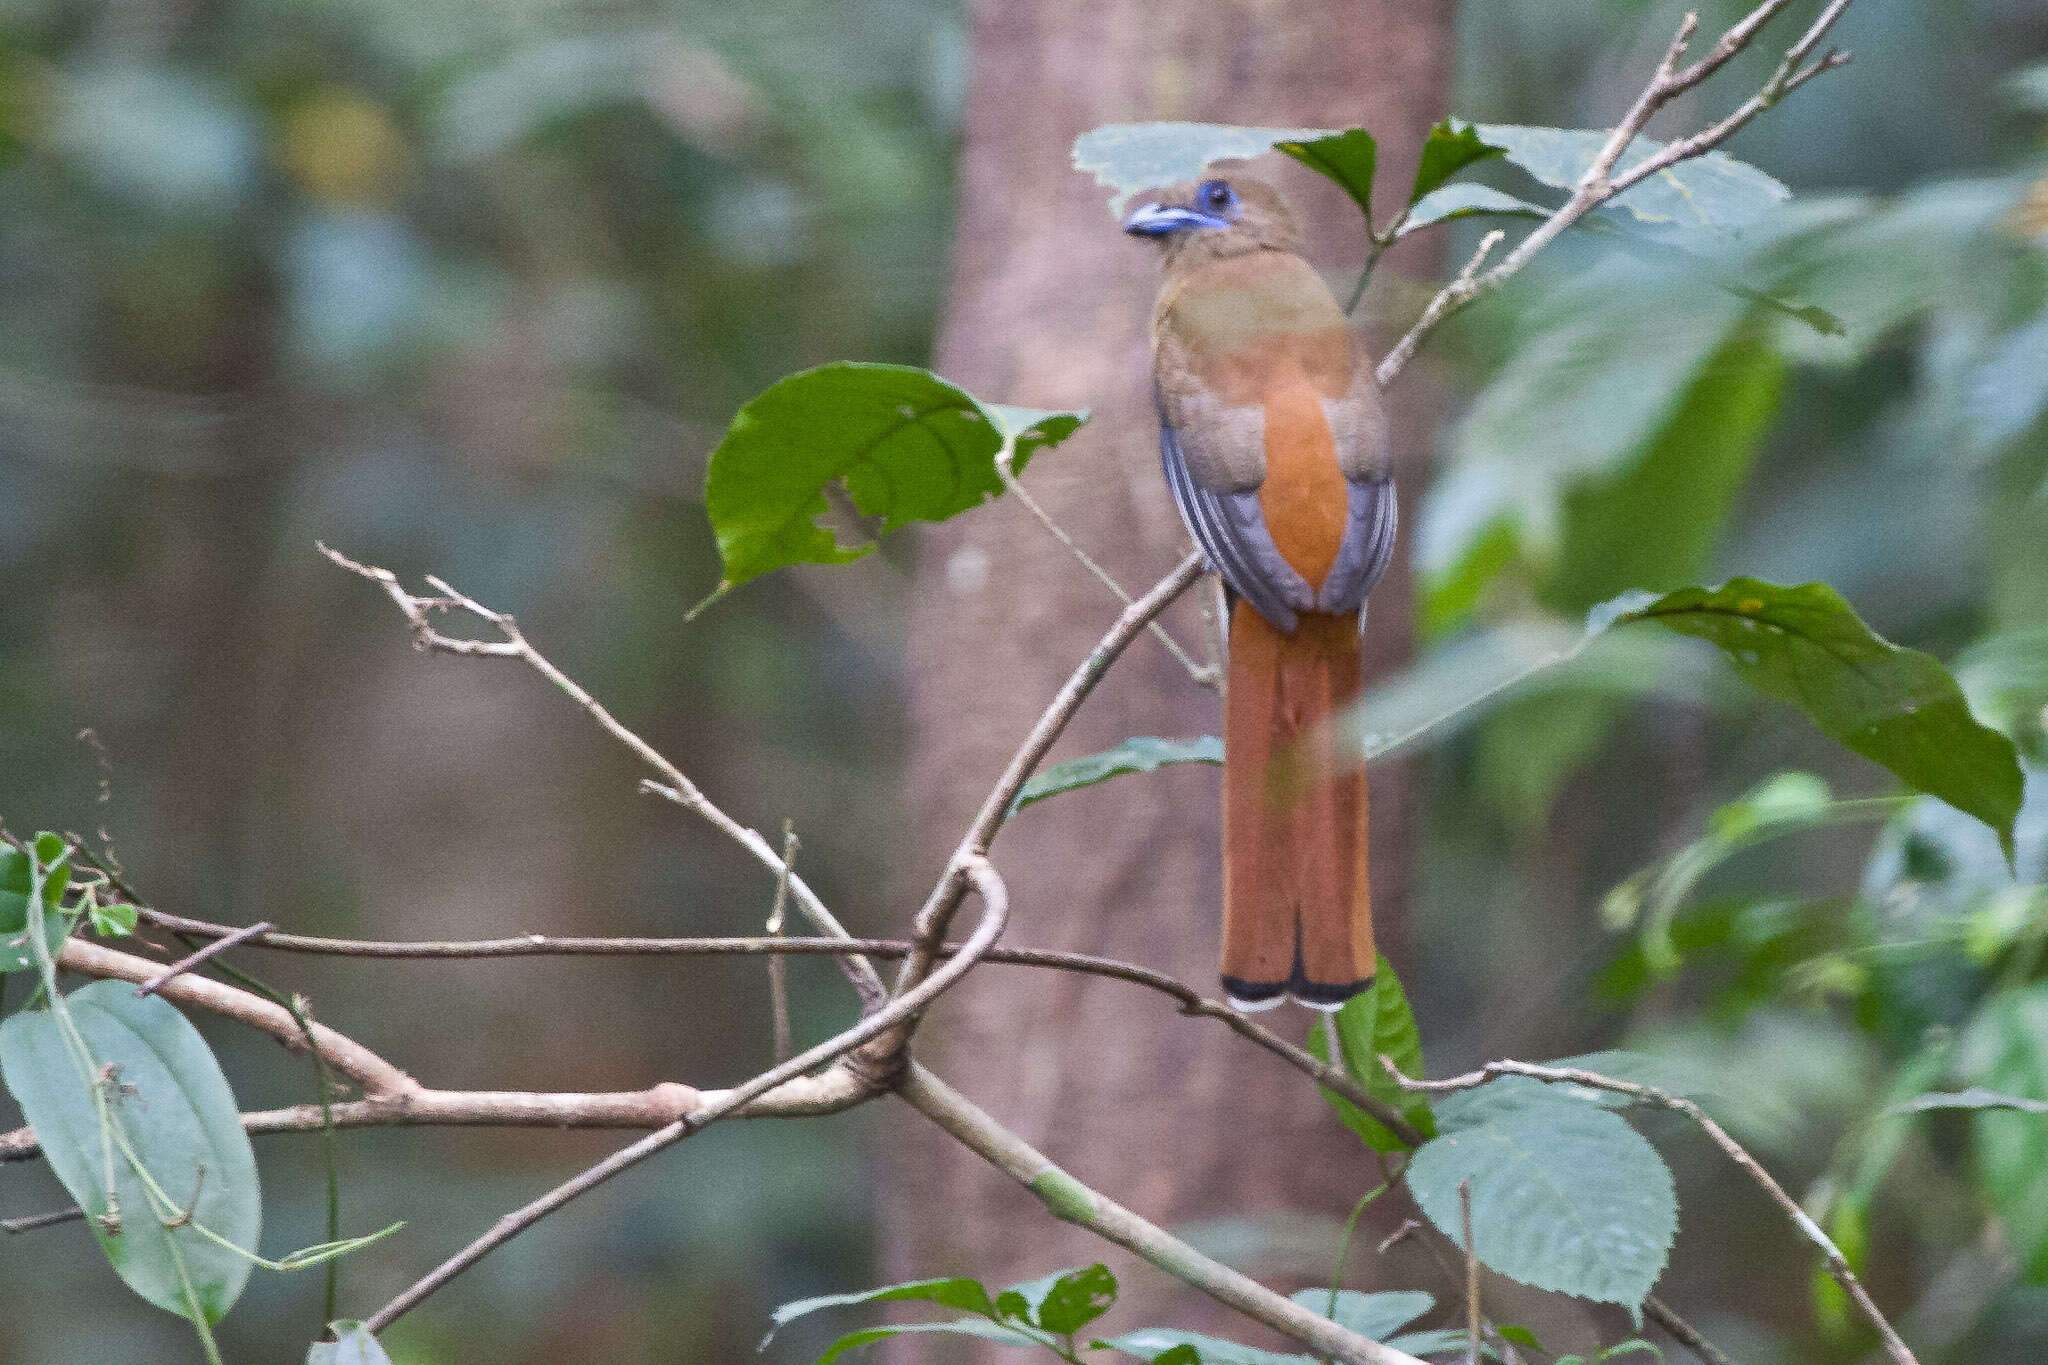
(1217, 217)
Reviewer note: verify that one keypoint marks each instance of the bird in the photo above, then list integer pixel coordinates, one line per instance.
(1275, 449)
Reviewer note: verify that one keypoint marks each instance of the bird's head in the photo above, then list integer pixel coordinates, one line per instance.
(1217, 217)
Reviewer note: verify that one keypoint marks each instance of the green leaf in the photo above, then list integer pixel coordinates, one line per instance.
(1141, 754)
(1671, 1075)
(1464, 200)
(168, 1095)
(1565, 1196)
(1714, 192)
(1063, 1302)
(1150, 1343)
(1652, 522)
(113, 919)
(906, 446)
(1897, 707)
(965, 1327)
(1450, 147)
(1975, 1097)
(1349, 158)
(1377, 1020)
(1182, 1354)
(965, 1295)
(1129, 157)
(2005, 677)
(1377, 1316)
(17, 953)
(1520, 1336)
(2005, 1049)
(352, 1345)
(1633, 1346)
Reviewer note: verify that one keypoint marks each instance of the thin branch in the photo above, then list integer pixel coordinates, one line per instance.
(1073, 1202)
(1601, 182)
(1204, 675)
(674, 785)
(1665, 1316)
(1471, 1273)
(945, 897)
(211, 950)
(42, 1220)
(778, 964)
(1191, 1001)
(1837, 1263)
(996, 912)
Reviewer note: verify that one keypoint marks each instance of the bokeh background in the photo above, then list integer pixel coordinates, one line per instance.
(473, 289)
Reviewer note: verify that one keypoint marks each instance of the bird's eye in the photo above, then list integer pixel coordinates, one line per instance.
(1218, 195)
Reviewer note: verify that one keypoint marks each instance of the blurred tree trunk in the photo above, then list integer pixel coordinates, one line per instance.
(1049, 308)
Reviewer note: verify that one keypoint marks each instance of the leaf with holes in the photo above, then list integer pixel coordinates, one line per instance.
(903, 443)
(1897, 707)
(1377, 1021)
(1565, 1196)
(166, 1093)
(1064, 1301)
(1140, 754)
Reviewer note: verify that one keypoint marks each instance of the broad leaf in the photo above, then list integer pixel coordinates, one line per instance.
(17, 951)
(1377, 1021)
(1063, 1302)
(1142, 754)
(1713, 192)
(1450, 147)
(2005, 677)
(1565, 1196)
(1377, 1316)
(166, 1092)
(352, 1345)
(2005, 1050)
(905, 445)
(1129, 157)
(968, 1296)
(965, 1327)
(1976, 1097)
(1150, 1343)
(1897, 707)
(1349, 158)
(1670, 1075)
(1463, 200)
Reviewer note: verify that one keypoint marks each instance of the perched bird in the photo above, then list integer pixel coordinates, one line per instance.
(1275, 450)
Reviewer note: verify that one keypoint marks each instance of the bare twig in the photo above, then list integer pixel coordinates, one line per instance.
(945, 897)
(1602, 182)
(1192, 1002)
(42, 1220)
(1073, 1202)
(996, 912)
(1204, 675)
(778, 964)
(1471, 1273)
(674, 785)
(1837, 1263)
(211, 950)
(1665, 1316)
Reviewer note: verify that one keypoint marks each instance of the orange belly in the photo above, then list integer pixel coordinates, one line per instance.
(1304, 498)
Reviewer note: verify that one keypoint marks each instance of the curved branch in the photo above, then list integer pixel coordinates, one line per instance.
(904, 1008)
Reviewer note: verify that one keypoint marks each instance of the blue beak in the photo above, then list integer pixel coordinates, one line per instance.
(1160, 220)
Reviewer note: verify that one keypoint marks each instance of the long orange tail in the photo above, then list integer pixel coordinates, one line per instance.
(1297, 912)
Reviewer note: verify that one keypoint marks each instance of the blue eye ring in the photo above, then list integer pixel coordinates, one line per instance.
(1216, 196)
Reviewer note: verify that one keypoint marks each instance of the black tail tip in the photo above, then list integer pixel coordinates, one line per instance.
(1249, 996)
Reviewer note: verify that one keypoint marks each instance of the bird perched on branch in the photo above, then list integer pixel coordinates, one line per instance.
(1275, 450)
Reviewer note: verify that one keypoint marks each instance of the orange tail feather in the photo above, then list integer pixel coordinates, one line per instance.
(1297, 910)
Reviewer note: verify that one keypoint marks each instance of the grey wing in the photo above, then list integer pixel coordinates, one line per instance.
(1367, 547)
(1231, 529)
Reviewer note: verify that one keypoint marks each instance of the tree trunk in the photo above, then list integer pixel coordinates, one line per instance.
(1049, 308)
